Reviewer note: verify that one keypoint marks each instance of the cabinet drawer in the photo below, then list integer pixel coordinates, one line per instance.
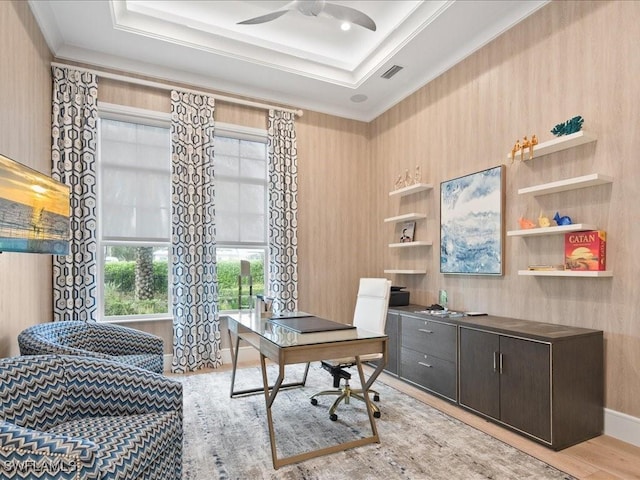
(433, 338)
(429, 372)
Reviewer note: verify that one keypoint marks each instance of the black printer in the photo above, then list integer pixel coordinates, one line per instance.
(398, 297)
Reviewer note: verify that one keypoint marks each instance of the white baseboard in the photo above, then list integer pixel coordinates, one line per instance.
(616, 424)
(245, 355)
(622, 426)
(166, 362)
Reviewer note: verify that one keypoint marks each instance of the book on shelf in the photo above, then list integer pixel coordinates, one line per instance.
(408, 229)
(546, 267)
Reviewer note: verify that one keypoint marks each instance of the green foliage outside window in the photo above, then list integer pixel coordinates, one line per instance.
(120, 281)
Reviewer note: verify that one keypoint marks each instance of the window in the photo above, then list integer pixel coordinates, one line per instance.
(241, 213)
(134, 211)
(134, 228)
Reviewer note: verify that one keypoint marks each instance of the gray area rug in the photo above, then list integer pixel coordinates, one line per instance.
(228, 438)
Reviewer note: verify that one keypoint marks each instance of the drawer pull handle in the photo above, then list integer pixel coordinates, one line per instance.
(425, 364)
(424, 330)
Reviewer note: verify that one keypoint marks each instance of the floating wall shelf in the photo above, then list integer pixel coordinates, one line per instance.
(591, 180)
(405, 218)
(415, 188)
(566, 273)
(410, 244)
(558, 144)
(407, 272)
(534, 232)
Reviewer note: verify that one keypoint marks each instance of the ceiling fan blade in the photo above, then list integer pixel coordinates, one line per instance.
(263, 18)
(349, 14)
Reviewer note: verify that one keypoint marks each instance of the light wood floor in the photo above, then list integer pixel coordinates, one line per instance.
(600, 458)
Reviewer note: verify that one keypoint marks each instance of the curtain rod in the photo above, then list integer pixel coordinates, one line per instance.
(164, 86)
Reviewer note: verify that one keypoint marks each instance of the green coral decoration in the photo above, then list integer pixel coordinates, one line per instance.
(570, 126)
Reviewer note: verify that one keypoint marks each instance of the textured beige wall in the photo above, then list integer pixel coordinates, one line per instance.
(25, 136)
(336, 225)
(570, 58)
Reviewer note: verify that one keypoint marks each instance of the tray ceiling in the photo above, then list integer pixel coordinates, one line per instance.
(297, 60)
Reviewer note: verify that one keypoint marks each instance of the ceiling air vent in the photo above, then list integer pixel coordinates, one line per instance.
(392, 71)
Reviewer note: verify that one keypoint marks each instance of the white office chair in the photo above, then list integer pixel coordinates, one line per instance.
(370, 314)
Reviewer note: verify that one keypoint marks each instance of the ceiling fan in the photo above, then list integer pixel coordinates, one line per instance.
(313, 8)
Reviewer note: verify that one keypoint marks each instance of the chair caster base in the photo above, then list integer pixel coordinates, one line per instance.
(333, 417)
(376, 414)
(376, 398)
(314, 401)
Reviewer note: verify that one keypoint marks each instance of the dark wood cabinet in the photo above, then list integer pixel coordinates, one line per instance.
(542, 380)
(549, 388)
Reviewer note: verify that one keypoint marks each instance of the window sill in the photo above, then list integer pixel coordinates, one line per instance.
(137, 320)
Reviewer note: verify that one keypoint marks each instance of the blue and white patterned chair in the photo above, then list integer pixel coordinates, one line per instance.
(92, 339)
(71, 417)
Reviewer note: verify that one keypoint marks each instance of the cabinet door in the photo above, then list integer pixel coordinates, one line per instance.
(393, 347)
(479, 380)
(525, 386)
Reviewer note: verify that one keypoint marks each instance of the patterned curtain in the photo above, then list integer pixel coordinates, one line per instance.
(73, 152)
(196, 326)
(283, 210)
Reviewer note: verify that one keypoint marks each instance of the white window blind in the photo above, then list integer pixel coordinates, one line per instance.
(241, 191)
(135, 172)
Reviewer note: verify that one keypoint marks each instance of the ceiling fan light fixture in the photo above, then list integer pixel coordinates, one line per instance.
(313, 8)
(345, 26)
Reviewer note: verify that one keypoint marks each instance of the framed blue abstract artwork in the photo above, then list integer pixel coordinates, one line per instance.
(471, 223)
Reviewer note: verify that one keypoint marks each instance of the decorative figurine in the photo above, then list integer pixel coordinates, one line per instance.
(564, 220)
(533, 143)
(399, 182)
(570, 126)
(417, 177)
(526, 143)
(516, 148)
(408, 179)
(543, 221)
(525, 223)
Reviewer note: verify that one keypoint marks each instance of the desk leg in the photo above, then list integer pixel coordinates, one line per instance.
(269, 396)
(365, 394)
(234, 357)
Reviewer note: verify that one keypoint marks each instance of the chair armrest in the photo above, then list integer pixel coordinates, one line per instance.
(33, 345)
(118, 340)
(104, 388)
(23, 450)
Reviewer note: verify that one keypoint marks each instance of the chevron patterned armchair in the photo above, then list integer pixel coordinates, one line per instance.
(71, 417)
(93, 339)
